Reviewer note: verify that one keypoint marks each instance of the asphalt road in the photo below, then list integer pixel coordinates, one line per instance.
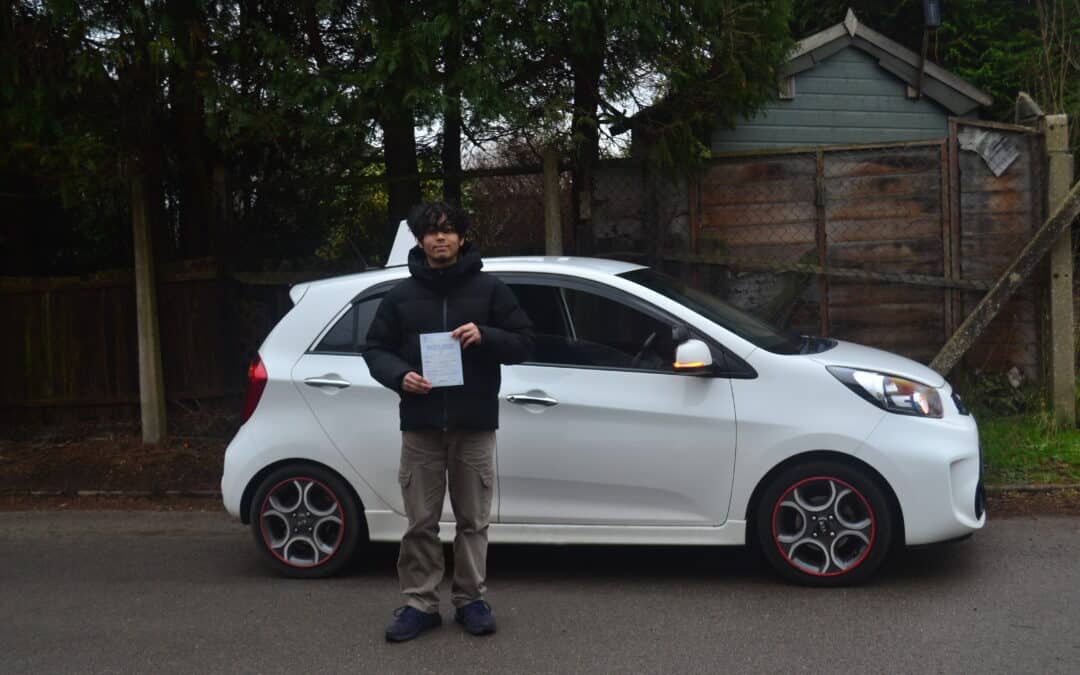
(145, 592)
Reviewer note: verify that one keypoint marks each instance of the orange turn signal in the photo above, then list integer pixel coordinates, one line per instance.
(691, 364)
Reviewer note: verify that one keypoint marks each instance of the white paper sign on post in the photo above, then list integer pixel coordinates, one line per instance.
(440, 358)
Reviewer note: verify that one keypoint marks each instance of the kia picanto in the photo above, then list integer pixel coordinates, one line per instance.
(650, 413)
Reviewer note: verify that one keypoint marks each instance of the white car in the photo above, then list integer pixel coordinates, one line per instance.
(650, 414)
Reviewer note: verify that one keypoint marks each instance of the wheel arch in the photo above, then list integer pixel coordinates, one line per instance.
(257, 479)
(832, 455)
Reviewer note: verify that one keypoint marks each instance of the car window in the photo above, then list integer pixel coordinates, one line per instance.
(543, 306)
(746, 326)
(615, 334)
(347, 335)
(579, 328)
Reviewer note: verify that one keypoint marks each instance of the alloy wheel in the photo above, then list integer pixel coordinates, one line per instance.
(823, 526)
(302, 522)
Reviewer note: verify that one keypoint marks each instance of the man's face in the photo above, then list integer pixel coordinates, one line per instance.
(441, 244)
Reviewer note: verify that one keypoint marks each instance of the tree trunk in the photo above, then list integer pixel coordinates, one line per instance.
(197, 230)
(451, 141)
(585, 141)
(311, 27)
(141, 86)
(151, 380)
(396, 117)
(399, 147)
(553, 244)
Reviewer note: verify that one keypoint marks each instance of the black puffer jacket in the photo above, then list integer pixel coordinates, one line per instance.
(436, 300)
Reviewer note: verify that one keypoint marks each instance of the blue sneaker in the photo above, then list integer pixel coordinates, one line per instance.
(476, 617)
(410, 622)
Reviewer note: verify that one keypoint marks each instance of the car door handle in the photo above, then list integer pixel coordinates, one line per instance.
(525, 399)
(327, 381)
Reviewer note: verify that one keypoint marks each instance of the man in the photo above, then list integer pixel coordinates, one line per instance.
(446, 431)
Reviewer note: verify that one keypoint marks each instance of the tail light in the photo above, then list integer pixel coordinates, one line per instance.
(256, 384)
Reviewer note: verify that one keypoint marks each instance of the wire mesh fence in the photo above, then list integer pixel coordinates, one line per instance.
(888, 245)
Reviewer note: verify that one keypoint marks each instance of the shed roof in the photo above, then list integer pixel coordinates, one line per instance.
(954, 94)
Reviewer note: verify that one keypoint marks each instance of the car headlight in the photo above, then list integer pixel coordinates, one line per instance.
(891, 393)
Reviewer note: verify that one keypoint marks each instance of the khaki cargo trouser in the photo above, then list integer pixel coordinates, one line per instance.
(427, 458)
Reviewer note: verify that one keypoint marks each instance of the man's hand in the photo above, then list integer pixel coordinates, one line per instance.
(415, 383)
(469, 334)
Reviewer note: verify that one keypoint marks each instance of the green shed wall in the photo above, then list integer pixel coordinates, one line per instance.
(847, 98)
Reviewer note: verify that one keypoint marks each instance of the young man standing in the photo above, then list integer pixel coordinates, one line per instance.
(447, 431)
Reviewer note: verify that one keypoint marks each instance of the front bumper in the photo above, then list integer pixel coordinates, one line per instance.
(935, 469)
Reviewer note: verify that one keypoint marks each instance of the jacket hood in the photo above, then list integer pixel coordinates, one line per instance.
(468, 264)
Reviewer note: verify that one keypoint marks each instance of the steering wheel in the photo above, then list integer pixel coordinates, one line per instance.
(644, 348)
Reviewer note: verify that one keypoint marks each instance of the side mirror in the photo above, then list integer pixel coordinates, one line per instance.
(693, 356)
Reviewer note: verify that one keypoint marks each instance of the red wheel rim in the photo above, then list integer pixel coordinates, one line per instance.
(823, 526)
(302, 522)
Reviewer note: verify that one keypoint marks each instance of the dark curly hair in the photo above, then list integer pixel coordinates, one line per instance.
(424, 218)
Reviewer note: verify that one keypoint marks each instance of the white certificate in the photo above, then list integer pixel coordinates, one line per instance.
(440, 358)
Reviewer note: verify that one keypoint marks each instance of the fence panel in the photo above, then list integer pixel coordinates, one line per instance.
(508, 212)
(769, 231)
(997, 216)
(884, 212)
(803, 237)
(70, 345)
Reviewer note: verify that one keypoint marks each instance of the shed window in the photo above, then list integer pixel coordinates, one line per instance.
(786, 88)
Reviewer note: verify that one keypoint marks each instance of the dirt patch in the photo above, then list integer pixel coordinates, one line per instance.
(1053, 502)
(109, 460)
(32, 503)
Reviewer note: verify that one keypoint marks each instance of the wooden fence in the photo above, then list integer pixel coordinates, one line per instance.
(887, 245)
(69, 344)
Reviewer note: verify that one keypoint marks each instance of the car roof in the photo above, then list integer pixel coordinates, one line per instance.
(559, 264)
(591, 267)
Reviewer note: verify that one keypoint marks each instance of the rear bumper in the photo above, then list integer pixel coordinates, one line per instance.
(235, 475)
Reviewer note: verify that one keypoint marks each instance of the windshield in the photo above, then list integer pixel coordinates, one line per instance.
(744, 325)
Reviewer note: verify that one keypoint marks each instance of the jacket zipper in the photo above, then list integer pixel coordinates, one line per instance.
(444, 326)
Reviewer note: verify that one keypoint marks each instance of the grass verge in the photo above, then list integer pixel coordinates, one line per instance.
(1027, 449)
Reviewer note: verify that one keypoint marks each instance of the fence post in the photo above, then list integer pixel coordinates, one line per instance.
(1055, 129)
(552, 210)
(820, 198)
(151, 381)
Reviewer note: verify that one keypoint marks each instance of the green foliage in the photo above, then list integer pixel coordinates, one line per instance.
(1029, 449)
(992, 394)
(287, 99)
(1021, 442)
(993, 45)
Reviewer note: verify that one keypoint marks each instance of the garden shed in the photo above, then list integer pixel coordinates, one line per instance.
(848, 84)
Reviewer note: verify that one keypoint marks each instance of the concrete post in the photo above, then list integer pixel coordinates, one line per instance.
(1062, 345)
(151, 381)
(552, 211)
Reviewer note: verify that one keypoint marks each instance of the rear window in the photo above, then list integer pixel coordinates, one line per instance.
(348, 333)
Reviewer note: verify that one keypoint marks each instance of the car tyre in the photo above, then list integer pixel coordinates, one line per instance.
(306, 521)
(824, 523)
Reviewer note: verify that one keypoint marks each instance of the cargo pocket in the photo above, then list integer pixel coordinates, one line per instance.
(487, 479)
(404, 477)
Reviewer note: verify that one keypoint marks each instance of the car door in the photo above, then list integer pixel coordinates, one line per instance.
(599, 429)
(358, 414)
